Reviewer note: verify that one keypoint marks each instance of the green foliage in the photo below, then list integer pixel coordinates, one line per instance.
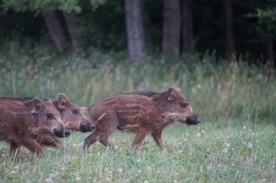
(30, 5)
(266, 21)
(97, 3)
(104, 27)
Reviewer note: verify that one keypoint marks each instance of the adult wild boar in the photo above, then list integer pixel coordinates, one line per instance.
(140, 112)
(23, 122)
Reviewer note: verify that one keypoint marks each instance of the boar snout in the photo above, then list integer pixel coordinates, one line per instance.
(61, 132)
(192, 120)
(87, 127)
(67, 133)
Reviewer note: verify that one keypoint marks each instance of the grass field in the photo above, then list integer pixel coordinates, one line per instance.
(234, 143)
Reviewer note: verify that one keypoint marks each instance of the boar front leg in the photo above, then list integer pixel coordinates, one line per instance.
(92, 138)
(157, 136)
(140, 136)
(33, 146)
(14, 148)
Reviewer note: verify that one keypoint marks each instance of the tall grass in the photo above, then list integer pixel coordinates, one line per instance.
(216, 91)
(235, 142)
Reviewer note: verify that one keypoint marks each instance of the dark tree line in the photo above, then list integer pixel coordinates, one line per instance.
(233, 28)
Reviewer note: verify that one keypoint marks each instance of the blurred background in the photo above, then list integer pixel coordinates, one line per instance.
(221, 53)
(229, 29)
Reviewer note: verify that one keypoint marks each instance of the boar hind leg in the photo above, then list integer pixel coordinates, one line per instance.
(157, 136)
(140, 136)
(14, 148)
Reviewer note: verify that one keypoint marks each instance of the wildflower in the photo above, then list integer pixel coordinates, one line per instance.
(78, 179)
(139, 171)
(120, 170)
(225, 150)
(202, 131)
(227, 144)
(149, 168)
(138, 160)
(13, 172)
(16, 167)
(146, 181)
(244, 127)
(249, 145)
(62, 169)
(209, 166)
(48, 181)
(198, 134)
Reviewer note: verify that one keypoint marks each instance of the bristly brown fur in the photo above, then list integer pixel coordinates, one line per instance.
(22, 121)
(71, 114)
(140, 112)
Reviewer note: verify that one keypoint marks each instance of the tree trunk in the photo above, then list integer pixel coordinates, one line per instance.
(269, 58)
(187, 27)
(72, 25)
(135, 30)
(56, 29)
(230, 51)
(171, 29)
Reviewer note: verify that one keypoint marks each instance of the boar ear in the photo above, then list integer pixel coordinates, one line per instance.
(38, 105)
(172, 94)
(62, 100)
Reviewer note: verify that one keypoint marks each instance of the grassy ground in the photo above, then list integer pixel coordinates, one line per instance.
(234, 143)
(210, 152)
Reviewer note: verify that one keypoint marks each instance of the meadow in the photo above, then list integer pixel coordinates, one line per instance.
(234, 143)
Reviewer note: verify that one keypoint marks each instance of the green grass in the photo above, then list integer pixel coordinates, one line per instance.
(204, 153)
(234, 143)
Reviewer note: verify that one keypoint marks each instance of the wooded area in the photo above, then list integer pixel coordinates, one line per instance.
(230, 29)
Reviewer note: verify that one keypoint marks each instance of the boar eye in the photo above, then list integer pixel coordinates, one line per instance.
(50, 116)
(183, 105)
(76, 111)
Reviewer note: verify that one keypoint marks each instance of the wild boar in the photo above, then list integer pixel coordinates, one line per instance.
(23, 122)
(140, 112)
(71, 115)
